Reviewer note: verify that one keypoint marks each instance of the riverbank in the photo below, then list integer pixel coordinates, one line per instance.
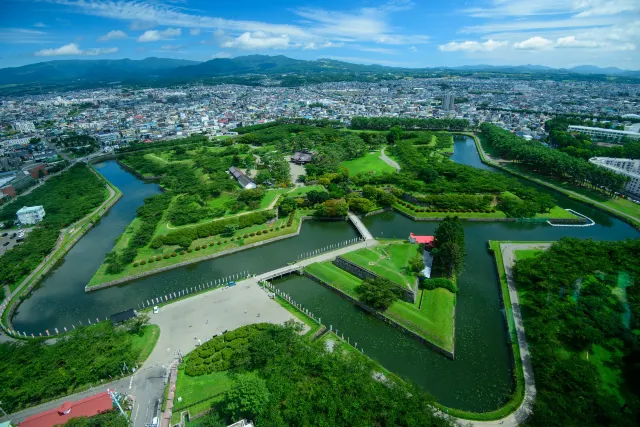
(572, 194)
(68, 238)
(205, 249)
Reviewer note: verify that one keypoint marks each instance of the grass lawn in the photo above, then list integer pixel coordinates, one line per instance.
(270, 196)
(299, 191)
(527, 253)
(370, 162)
(434, 321)
(146, 253)
(143, 345)
(390, 261)
(309, 322)
(496, 214)
(557, 213)
(335, 276)
(193, 390)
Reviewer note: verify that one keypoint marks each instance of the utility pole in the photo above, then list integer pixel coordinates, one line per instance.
(115, 400)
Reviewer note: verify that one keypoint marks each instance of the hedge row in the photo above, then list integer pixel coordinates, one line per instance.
(460, 210)
(290, 220)
(217, 353)
(185, 236)
(430, 284)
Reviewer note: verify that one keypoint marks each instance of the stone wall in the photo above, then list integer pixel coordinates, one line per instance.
(447, 353)
(408, 295)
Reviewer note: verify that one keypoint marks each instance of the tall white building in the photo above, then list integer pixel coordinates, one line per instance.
(627, 167)
(30, 214)
(604, 133)
(448, 101)
(24, 126)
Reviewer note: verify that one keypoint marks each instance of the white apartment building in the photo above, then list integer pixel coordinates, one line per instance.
(628, 167)
(448, 101)
(604, 133)
(24, 126)
(108, 138)
(31, 214)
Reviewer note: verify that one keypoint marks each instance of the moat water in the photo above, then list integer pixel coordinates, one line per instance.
(479, 379)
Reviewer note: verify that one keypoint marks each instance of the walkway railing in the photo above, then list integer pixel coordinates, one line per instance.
(330, 248)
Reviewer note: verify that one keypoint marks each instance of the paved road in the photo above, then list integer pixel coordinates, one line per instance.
(389, 161)
(520, 415)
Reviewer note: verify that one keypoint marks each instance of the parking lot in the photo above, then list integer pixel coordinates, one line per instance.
(7, 239)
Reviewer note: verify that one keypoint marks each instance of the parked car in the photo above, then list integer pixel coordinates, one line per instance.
(5, 234)
(19, 239)
(155, 309)
(12, 236)
(5, 243)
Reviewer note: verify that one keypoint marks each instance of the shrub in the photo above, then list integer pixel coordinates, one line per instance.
(265, 231)
(493, 211)
(173, 254)
(189, 250)
(218, 242)
(143, 262)
(135, 264)
(197, 248)
(151, 260)
(277, 228)
(211, 244)
(439, 283)
(259, 232)
(182, 252)
(166, 256)
(225, 241)
(204, 246)
(252, 234)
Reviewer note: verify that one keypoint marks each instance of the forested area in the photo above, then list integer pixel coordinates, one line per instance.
(149, 214)
(66, 199)
(138, 146)
(448, 252)
(557, 164)
(581, 146)
(109, 419)
(280, 378)
(386, 123)
(33, 371)
(585, 351)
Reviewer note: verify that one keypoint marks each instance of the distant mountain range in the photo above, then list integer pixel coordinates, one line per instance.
(74, 74)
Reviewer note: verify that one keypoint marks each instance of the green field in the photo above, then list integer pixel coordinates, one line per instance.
(495, 215)
(390, 261)
(369, 163)
(199, 393)
(433, 322)
(300, 191)
(143, 345)
(527, 253)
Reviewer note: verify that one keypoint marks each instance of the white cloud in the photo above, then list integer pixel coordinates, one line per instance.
(155, 35)
(413, 49)
(534, 43)
(25, 36)
(383, 50)
(528, 8)
(68, 49)
(113, 35)
(39, 25)
(142, 25)
(324, 45)
(257, 40)
(221, 55)
(473, 46)
(72, 49)
(194, 31)
(174, 47)
(95, 51)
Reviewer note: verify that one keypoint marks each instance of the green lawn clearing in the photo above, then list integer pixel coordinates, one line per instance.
(199, 393)
(433, 322)
(527, 253)
(369, 163)
(390, 261)
(300, 191)
(143, 345)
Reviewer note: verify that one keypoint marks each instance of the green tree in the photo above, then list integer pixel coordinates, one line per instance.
(247, 398)
(229, 229)
(333, 208)
(377, 293)
(288, 205)
(416, 264)
(136, 324)
(394, 135)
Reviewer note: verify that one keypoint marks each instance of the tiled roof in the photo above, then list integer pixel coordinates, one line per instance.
(87, 407)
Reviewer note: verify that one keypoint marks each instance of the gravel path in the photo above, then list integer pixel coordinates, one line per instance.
(389, 161)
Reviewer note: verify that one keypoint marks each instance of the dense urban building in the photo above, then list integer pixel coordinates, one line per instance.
(627, 167)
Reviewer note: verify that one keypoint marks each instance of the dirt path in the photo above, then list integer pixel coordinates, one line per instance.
(389, 161)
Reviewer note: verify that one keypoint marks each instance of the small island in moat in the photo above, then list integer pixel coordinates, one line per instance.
(225, 195)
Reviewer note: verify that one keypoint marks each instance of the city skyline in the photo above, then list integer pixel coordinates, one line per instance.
(559, 34)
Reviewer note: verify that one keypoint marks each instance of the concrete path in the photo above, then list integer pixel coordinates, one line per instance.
(389, 160)
(364, 231)
(520, 415)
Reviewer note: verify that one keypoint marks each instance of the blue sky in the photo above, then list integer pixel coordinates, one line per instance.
(418, 33)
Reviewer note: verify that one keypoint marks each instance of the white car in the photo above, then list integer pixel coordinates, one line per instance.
(156, 310)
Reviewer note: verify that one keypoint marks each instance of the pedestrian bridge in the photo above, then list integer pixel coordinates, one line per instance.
(364, 232)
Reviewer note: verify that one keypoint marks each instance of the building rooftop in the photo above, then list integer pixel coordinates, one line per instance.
(87, 407)
(29, 209)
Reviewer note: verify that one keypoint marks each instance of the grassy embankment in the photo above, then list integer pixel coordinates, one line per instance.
(212, 247)
(369, 163)
(588, 196)
(388, 260)
(433, 321)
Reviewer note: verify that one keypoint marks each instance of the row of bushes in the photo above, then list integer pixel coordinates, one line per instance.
(460, 210)
(216, 354)
(185, 236)
(430, 284)
(290, 220)
(204, 246)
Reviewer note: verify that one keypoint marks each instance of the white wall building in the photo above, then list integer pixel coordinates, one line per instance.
(31, 214)
(108, 138)
(628, 167)
(604, 133)
(24, 126)
(448, 101)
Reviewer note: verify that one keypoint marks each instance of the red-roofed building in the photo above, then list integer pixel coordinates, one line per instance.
(87, 407)
(427, 241)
